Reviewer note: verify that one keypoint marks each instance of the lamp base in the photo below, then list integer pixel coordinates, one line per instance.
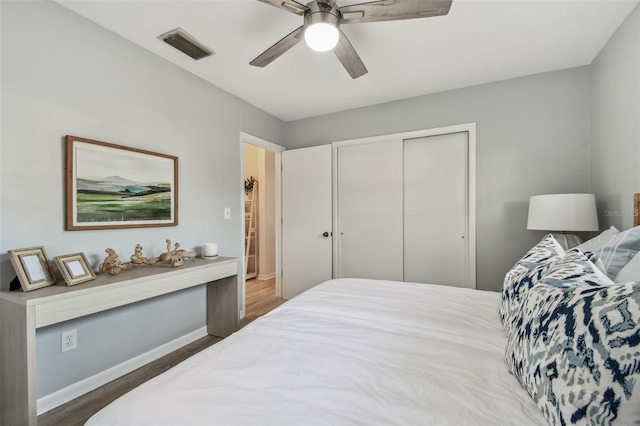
(567, 241)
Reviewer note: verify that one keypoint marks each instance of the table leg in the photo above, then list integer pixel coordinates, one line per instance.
(18, 365)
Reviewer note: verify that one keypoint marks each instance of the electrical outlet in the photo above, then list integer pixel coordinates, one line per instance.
(69, 340)
(227, 213)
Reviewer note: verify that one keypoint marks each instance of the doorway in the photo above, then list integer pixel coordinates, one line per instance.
(259, 176)
(260, 265)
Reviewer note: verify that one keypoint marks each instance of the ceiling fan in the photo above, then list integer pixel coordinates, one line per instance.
(322, 20)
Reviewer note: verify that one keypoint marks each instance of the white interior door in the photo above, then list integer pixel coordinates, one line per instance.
(306, 219)
(436, 243)
(370, 211)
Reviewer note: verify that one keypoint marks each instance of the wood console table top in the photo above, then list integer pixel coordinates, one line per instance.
(128, 277)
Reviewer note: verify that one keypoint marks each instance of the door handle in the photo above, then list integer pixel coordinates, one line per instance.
(325, 234)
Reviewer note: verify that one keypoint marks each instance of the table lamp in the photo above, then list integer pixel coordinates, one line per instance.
(563, 213)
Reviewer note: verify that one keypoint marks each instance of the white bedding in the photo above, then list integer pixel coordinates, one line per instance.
(346, 352)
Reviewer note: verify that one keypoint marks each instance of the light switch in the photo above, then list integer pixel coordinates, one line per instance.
(227, 213)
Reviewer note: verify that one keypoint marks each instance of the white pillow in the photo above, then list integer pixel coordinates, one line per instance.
(630, 272)
(600, 239)
(617, 251)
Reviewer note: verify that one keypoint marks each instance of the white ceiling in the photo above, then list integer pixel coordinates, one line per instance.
(477, 42)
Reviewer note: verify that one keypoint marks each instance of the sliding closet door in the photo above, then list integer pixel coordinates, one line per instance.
(436, 210)
(370, 211)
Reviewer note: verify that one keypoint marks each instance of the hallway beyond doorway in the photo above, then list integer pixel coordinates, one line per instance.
(260, 299)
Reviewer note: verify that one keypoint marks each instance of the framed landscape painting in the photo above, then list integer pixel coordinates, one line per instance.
(114, 186)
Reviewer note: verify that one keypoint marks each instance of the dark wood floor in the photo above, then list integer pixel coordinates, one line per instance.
(260, 299)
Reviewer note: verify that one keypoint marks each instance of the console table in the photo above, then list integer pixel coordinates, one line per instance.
(22, 313)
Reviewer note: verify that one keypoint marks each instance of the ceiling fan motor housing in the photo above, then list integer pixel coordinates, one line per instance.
(321, 12)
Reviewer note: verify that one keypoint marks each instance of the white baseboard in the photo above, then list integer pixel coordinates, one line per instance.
(77, 389)
(266, 276)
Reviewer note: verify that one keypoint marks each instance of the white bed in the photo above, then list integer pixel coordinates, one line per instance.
(346, 352)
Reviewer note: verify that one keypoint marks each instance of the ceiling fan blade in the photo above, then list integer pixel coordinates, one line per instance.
(279, 48)
(349, 57)
(288, 5)
(392, 10)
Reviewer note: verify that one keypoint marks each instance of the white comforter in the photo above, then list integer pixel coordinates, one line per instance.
(346, 352)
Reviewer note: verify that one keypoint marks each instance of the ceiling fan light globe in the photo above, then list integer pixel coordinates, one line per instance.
(321, 36)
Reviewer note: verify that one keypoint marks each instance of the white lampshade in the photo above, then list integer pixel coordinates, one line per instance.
(321, 36)
(563, 212)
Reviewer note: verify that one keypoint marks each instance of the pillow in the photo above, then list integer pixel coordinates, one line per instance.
(604, 237)
(577, 352)
(630, 272)
(597, 262)
(524, 274)
(617, 251)
(575, 269)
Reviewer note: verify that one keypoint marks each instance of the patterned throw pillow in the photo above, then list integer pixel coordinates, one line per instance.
(575, 269)
(524, 274)
(577, 350)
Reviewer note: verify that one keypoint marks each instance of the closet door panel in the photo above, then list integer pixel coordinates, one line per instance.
(370, 211)
(436, 210)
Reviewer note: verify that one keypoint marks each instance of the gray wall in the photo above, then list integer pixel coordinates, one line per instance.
(62, 74)
(533, 137)
(615, 125)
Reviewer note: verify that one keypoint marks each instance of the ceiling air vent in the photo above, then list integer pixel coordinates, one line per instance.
(185, 43)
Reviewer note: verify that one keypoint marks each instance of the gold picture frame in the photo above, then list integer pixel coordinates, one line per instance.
(74, 268)
(32, 267)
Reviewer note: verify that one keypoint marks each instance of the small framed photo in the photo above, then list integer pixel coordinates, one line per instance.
(74, 268)
(32, 267)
